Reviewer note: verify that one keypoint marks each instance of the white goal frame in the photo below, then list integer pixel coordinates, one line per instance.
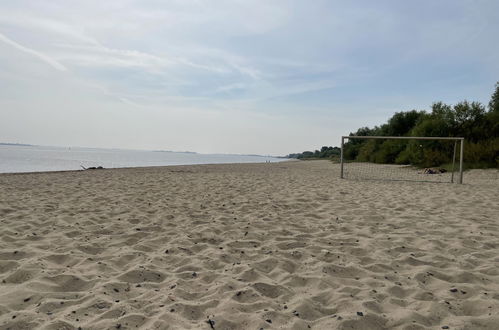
(456, 139)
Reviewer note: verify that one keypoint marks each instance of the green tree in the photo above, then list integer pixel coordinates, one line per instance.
(492, 117)
(494, 100)
(401, 123)
(470, 121)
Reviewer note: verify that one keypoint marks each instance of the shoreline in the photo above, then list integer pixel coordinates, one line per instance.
(137, 167)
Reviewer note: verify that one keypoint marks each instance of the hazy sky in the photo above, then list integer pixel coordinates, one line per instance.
(267, 77)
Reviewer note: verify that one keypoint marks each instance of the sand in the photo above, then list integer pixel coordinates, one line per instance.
(247, 246)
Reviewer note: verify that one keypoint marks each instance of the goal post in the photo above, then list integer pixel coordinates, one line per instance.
(411, 158)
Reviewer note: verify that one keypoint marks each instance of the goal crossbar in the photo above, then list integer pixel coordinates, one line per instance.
(457, 139)
(401, 137)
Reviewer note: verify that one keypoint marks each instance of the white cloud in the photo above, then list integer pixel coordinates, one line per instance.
(205, 76)
(53, 63)
(101, 56)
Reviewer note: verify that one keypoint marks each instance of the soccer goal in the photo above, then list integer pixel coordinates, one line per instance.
(434, 159)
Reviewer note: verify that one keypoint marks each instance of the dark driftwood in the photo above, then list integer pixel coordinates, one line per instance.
(92, 168)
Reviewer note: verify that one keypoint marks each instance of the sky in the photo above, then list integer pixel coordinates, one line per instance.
(233, 76)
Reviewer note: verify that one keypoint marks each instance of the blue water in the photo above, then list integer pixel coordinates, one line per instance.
(15, 158)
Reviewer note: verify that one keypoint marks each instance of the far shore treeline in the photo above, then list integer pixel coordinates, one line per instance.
(477, 123)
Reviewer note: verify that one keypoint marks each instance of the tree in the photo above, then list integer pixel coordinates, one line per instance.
(402, 123)
(470, 121)
(492, 117)
(494, 100)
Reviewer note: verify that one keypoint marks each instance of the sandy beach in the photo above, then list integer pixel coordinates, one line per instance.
(247, 246)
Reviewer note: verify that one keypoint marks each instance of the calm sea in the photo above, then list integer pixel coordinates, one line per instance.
(15, 158)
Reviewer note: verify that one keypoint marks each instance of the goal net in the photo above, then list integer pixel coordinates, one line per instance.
(434, 159)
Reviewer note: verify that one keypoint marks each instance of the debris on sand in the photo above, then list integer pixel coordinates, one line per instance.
(92, 168)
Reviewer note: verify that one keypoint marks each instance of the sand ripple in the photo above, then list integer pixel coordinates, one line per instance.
(248, 246)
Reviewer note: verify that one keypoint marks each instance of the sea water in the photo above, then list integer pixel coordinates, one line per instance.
(23, 158)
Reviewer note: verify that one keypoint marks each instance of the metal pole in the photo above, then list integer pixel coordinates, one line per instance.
(461, 162)
(341, 156)
(453, 162)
